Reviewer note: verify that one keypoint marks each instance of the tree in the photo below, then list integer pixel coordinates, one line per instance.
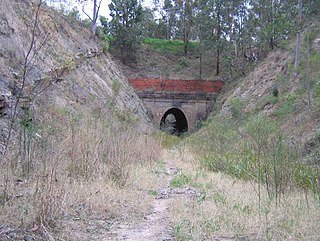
(211, 22)
(298, 46)
(150, 26)
(95, 12)
(96, 4)
(124, 26)
(308, 70)
(185, 13)
(168, 16)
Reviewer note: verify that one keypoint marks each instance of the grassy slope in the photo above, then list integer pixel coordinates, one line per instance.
(271, 141)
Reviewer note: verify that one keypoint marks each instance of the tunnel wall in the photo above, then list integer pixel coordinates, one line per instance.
(193, 97)
(193, 110)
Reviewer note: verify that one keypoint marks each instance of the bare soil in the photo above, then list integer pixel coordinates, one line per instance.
(156, 225)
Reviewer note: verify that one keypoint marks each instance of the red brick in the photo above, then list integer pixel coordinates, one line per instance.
(206, 86)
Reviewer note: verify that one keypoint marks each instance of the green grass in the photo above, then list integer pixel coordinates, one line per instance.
(258, 152)
(286, 106)
(169, 46)
(152, 192)
(167, 141)
(180, 180)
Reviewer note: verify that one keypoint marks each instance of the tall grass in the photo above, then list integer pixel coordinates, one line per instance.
(258, 151)
(68, 149)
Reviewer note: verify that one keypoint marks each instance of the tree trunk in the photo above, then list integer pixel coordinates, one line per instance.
(298, 46)
(186, 42)
(218, 62)
(95, 15)
(185, 35)
(308, 71)
(200, 64)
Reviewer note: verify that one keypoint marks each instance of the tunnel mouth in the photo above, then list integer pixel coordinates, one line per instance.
(174, 122)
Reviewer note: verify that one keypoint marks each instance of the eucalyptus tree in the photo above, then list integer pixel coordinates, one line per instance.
(96, 4)
(168, 13)
(211, 23)
(124, 26)
(185, 16)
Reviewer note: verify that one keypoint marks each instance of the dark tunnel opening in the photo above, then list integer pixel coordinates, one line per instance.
(174, 122)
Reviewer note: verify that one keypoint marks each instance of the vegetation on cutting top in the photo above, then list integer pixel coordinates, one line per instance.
(172, 47)
(235, 33)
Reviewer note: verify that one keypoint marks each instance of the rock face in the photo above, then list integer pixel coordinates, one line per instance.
(260, 83)
(56, 62)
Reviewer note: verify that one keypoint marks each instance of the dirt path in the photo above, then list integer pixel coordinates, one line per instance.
(156, 225)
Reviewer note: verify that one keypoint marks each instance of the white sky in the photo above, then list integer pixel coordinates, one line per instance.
(104, 9)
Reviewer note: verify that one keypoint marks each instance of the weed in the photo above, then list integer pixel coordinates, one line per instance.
(70, 150)
(286, 106)
(269, 99)
(243, 208)
(126, 116)
(180, 180)
(152, 193)
(166, 140)
(181, 230)
(116, 86)
(237, 107)
(159, 168)
(183, 63)
(219, 198)
(211, 226)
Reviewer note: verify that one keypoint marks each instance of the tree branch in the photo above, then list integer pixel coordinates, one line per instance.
(26, 66)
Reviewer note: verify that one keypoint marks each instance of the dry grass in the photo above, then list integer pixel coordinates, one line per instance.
(83, 173)
(228, 209)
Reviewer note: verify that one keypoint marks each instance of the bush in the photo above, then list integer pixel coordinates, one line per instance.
(257, 151)
(237, 108)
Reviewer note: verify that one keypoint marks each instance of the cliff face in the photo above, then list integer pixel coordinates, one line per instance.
(49, 61)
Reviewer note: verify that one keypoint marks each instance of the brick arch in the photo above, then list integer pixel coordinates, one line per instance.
(193, 97)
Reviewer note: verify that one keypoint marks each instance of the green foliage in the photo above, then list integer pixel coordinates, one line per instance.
(125, 27)
(168, 141)
(106, 38)
(182, 230)
(183, 62)
(86, 23)
(219, 198)
(125, 116)
(159, 168)
(74, 117)
(180, 180)
(256, 150)
(212, 225)
(116, 86)
(237, 107)
(286, 106)
(152, 193)
(269, 99)
(74, 14)
(243, 208)
(169, 46)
